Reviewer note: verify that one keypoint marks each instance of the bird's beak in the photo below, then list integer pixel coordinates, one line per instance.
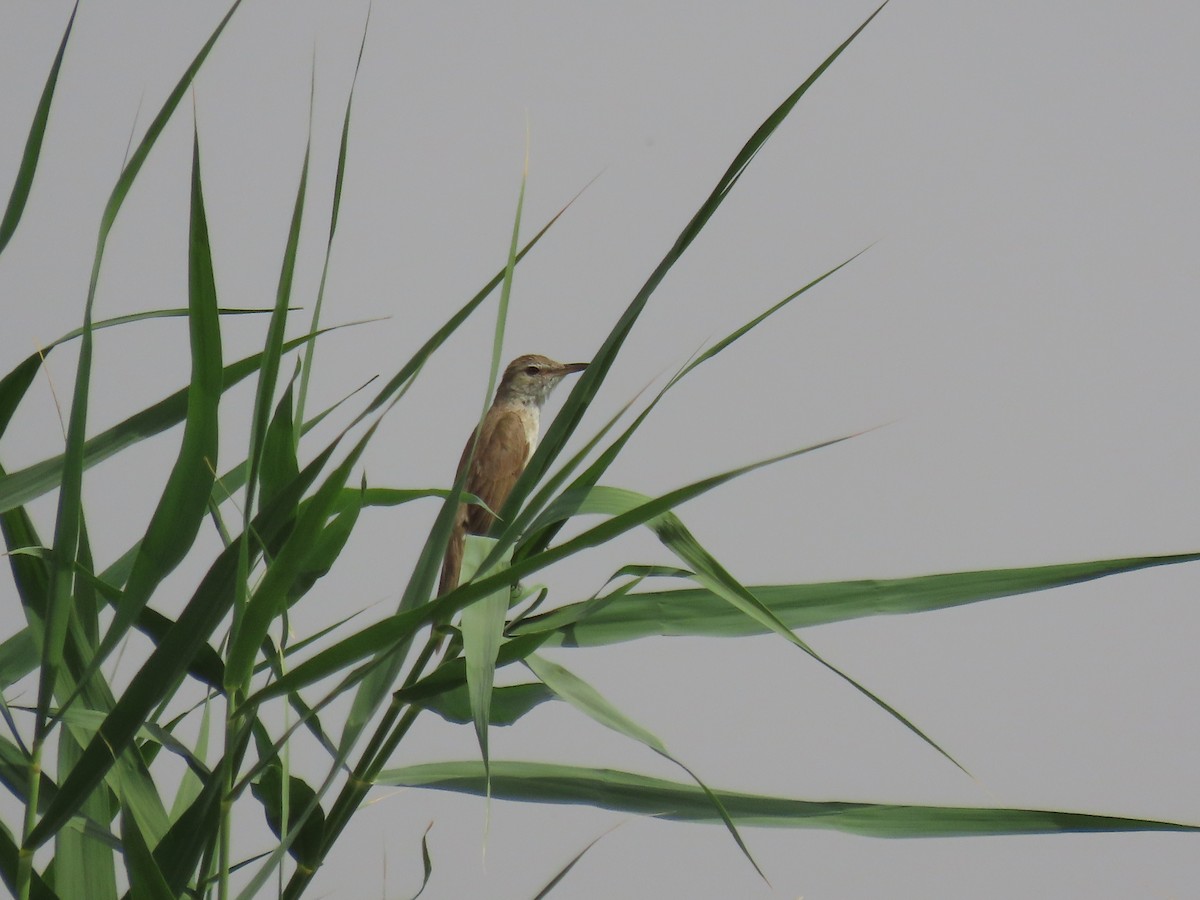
(570, 368)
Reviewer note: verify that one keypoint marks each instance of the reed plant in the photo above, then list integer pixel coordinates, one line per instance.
(117, 789)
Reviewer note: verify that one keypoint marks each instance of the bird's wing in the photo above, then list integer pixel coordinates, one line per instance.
(498, 462)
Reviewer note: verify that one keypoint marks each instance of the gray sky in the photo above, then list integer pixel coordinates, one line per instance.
(1025, 321)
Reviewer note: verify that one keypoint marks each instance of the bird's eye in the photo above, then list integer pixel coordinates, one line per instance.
(531, 370)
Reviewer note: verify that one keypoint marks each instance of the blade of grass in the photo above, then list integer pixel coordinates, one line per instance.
(84, 867)
(699, 611)
(482, 630)
(181, 508)
(146, 881)
(562, 873)
(643, 795)
(588, 700)
(33, 143)
(310, 352)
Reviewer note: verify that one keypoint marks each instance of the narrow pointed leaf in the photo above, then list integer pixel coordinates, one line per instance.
(202, 615)
(181, 508)
(482, 629)
(587, 699)
(643, 795)
(33, 144)
(699, 611)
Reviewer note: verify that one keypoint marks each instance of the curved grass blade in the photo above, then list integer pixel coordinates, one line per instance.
(426, 861)
(181, 508)
(698, 611)
(310, 352)
(268, 790)
(643, 795)
(562, 873)
(146, 881)
(710, 573)
(9, 869)
(33, 144)
(509, 703)
(587, 700)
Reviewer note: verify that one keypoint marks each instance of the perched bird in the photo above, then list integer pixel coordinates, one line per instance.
(499, 450)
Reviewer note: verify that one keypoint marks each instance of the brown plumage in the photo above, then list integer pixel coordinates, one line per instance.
(507, 438)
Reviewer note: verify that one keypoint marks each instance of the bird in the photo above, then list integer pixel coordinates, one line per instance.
(499, 450)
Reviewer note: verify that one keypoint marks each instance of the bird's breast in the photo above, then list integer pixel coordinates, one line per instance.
(530, 420)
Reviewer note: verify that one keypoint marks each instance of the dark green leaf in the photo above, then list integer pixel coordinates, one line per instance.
(269, 790)
(33, 145)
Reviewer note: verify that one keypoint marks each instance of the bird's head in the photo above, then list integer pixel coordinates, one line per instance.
(530, 379)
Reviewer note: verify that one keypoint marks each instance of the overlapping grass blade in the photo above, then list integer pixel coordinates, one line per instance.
(245, 637)
(386, 634)
(270, 597)
(83, 867)
(69, 516)
(279, 462)
(33, 144)
(698, 611)
(10, 866)
(482, 631)
(146, 880)
(200, 618)
(643, 795)
(509, 703)
(181, 508)
(268, 790)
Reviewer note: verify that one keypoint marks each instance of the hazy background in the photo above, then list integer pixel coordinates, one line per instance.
(1026, 322)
